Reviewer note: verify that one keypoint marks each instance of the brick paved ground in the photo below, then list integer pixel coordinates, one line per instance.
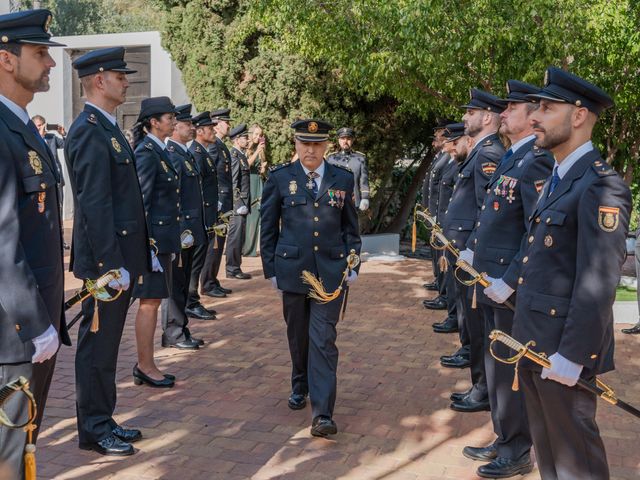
(227, 417)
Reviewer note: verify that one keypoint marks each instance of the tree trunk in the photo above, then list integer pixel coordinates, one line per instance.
(409, 200)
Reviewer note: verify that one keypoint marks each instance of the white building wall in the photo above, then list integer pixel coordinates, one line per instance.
(56, 104)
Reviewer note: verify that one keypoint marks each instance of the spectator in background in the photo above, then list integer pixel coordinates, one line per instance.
(54, 142)
(257, 159)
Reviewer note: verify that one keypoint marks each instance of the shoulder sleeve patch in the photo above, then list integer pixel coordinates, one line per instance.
(603, 169)
(279, 166)
(488, 168)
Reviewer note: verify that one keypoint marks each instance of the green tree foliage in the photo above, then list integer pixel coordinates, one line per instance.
(427, 53)
(89, 17)
(229, 58)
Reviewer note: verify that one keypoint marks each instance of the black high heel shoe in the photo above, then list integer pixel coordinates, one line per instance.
(140, 377)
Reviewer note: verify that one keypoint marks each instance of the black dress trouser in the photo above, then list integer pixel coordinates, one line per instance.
(96, 360)
(174, 318)
(311, 332)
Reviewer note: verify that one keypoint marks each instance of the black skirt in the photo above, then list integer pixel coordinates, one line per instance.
(155, 284)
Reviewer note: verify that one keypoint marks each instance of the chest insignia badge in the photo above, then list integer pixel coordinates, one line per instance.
(35, 162)
(116, 145)
(293, 187)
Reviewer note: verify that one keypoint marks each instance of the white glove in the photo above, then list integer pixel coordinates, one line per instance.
(351, 279)
(155, 263)
(46, 345)
(562, 370)
(466, 256)
(274, 284)
(188, 241)
(219, 205)
(498, 291)
(243, 210)
(364, 204)
(121, 283)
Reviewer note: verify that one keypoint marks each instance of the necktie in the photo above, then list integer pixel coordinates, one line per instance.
(555, 180)
(507, 155)
(311, 183)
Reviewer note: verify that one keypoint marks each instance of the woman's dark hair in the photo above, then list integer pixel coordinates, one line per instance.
(140, 129)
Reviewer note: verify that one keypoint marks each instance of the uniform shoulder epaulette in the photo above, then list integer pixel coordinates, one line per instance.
(92, 119)
(344, 167)
(359, 153)
(538, 152)
(279, 166)
(148, 145)
(603, 169)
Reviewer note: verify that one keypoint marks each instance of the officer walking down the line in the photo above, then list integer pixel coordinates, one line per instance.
(32, 273)
(567, 286)
(354, 161)
(309, 222)
(109, 233)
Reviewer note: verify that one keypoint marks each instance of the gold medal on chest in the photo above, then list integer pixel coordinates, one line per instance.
(35, 162)
(116, 145)
(293, 187)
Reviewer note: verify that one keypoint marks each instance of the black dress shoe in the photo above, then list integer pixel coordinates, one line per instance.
(455, 361)
(239, 275)
(633, 330)
(191, 338)
(111, 445)
(323, 426)
(469, 405)
(433, 286)
(183, 345)
(199, 312)
(457, 396)
(168, 376)
(215, 292)
(297, 401)
(437, 304)
(450, 325)
(128, 435)
(482, 454)
(139, 377)
(223, 290)
(506, 468)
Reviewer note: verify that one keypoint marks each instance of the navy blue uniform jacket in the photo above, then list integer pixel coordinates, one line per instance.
(31, 268)
(299, 232)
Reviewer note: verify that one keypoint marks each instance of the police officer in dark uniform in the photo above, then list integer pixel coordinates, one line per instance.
(482, 120)
(568, 278)
(511, 198)
(160, 185)
(109, 233)
(430, 195)
(222, 159)
(241, 172)
(31, 318)
(192, 228)
(309, 222)
(203, 254)
(354, 161)
(457, 145)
